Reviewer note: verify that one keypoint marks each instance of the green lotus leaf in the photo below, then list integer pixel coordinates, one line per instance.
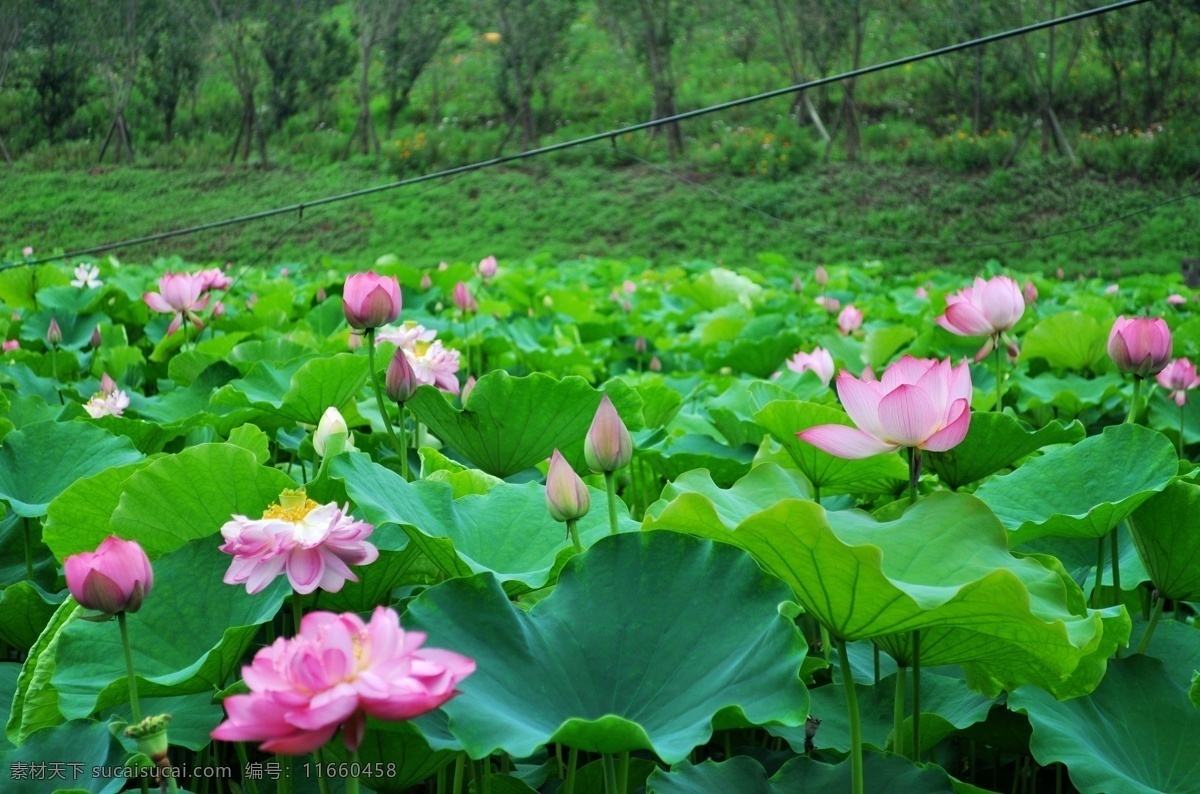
(695, 491)
(510, 424)
(186, 496)
(1084, 490)
(696, 451)
(882, 774)
(149, 437)
(35, 701)
(71, 750)
(401, 744)
(299, 390)
(1166, 532)
(178, 647)
(758, 351)
(1070, 394)
(13, 533)
(649, 642)
(1070, 340)
(996, 441)
(944, 567)
(25, 609)
(506, 531)
(77, 519)
(39, 461)
(1136, 734)
(831, 474)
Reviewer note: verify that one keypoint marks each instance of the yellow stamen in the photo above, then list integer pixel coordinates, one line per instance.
(421, 348)
(293, 506)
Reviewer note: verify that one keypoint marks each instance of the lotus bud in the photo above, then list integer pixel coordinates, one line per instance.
(10, 345)
(401, 380)
(626, 306)
(443, 266)
(27, 251)
(218, 309)
(331, 422)
(608, 445)
(426, 282)
(487, 267)
(107, 385)
(639, 346)
(96, 340)
(1059, 274)
(114, 578)
(467, 388)
(655, 364)
(370, 300)
(1140, 346)
(53, 333)
(567, 497)
(322, 295)
(463, 298)
(797, 284)
(1031, 292)
(821, 276)
(629, 287)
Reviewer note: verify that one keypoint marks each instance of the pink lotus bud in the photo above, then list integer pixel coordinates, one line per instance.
(1011, 348)
(655, 364)
(370, 300)
(463, 298)
(818, 361)
(467, 388)
(322, 295)
(107, 384)
(797, 285)
(1059, 274)
(985, 309)
(114, 578)
(850, 320)
(355, 341)
(639, 346)
(218, 309)
(922, 293)
(1140, 346)
(401, 380)
(487, 267)
(821, 276)
(54, 333)
(608, 445)
(567, 498)
(1179, 377)
(97, 339)
(1030, 292)
(1176, 299)
(832, 305)
(284, 272)
(9, 345)
(629, 287)
(27, 251)
(426, 282)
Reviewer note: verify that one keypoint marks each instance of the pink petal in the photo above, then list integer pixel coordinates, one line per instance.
(845, 442)
(908, 416)
(907, 370)
(304, 569)
(861, 401)
(966, 319)
(952, 434)
(157, 302)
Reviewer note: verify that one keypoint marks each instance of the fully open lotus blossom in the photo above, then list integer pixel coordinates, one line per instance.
(850, 320)
(487, 267)
(213, 278)
(370, 300)
(988, 308)
(1179, 377)
(313, 544)
(608, 445)
(114, 578)
(406, 336)
(922, 403)
(87, 277)
(10, 345)
(435, 365)
(1140, 346)
(463, 298)
(110, 404)
(1176, 299)
(819, 361)
(567, 498)
(335, 673)
(179, 294)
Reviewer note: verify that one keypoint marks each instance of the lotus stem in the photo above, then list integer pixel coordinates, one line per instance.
(826, 645)
(1154, 617)
(297, 612)
(573, 531)
(856, 749)
(1099, 573)
(1116, 566)
(875, 659)
(1180, 445)
(623, 769)
(459, 772)
(1133, 404)
(403, 446)
(610, 775)
(352, 786)
(898, 711)
(28, 550)
(387, 420)
(817, 492)
(999, 375)
(914, 472)
(610, 485)
(568, 786)
(249, 783)
(916, 672)
(130, 677)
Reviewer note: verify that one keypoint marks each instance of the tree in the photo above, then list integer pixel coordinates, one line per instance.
(808, 34)
(331, 61)
(12, 19)
(374, 22)
(56, 63)
(419, 30)
(115, 42)
(234, 30)
(286, 44)
(939, 23)
(172, 61)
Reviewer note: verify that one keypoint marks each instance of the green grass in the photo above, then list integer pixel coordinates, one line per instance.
(572, 207)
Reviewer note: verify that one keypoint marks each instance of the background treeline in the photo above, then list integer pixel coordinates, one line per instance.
(423, 84)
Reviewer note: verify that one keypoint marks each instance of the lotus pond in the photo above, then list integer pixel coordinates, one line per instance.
(595, 528)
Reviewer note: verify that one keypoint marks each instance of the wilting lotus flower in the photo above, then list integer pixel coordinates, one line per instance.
(213, 278)
(9, 345)
(1176, 299)
(54, 333)
(487, 267)
(1179, 377)
(567, 498)
(850, 320)
(922, 403)
(112, 404)
(114, 578)
(608, 445)
(1140, 346)
(313, 544)
(370, 300)
(335, 673)
(819, 361)
(178, 294)
(989, 308)
(331, 422)
(401, 381)
(821, 276)
(463, 298)
(87, 277)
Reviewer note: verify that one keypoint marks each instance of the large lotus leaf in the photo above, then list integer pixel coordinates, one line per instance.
(757, 352)
(882, 774)
(695, 491)
(189, 636)
(943, 565)
(77, 519)
(1084, 490)
(64, 756)
(1166, 532)
(25, 609)
(718, 286)
(39, 461)
(648, 642)
(1136, 734)
(183, 497)
(783, 419)
(35, 702)
(506, 531)
(1071, 340)
(398, 743)
(996, 441)
(695, 451)
(299, 390)
(13, 533)
(1070, 394)
(510, 424)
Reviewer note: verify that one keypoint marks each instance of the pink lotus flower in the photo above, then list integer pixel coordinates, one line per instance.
(821, 276)
(435, 364)
(463, 298)
(406, 336)
(1176, 299)
(27, 251)
(608, 445)
(487, 267)
(178, 294)
(921, 293)
(1112, 289)
(988, 308)
(213, 278)
(114, 578)
(335, 673)
(401, 381)
(370, 300)
(819, 361)
(629, 287)
(850, 320)
(1179, 377)
(9, 345)
(567, 498)
(1030, 292)
(467, 388)
(102, 404)
(313, 544)
(921, 403)
(831, 305)
(1140, 346)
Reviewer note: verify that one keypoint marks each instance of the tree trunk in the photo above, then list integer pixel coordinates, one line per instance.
(4, 152)
(816, 117)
